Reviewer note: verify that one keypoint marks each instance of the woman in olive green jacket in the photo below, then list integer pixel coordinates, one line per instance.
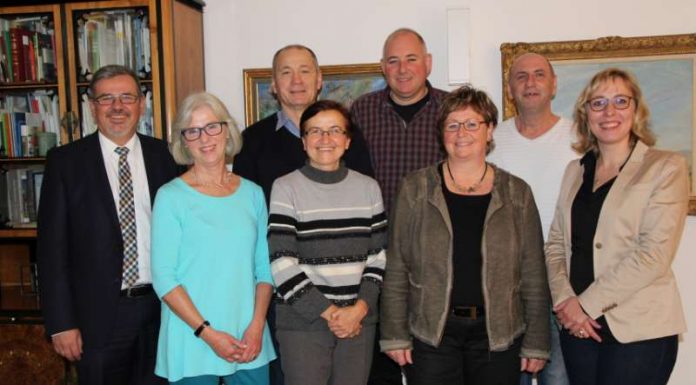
(465, 278)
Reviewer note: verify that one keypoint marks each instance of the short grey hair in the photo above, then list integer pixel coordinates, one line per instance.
(193, 102)
(403, 31)
(111, 71)
(289, 47)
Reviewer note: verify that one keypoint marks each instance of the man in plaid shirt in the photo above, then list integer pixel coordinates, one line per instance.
(398, 124)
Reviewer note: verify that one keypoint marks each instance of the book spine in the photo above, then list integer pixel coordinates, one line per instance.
(17, 55)
(8, 51)
(31, 68)
(28, 55)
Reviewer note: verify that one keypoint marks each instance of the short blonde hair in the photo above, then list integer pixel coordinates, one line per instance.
(193, 102)
(640, 129)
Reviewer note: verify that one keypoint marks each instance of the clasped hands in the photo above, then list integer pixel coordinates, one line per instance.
(346, 322)
(571, 315)
(232, 349)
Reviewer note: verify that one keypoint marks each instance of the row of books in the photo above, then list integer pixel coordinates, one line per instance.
(27, 50)
(114, 37)
(22, 117)
(145, 125)
(20, 189)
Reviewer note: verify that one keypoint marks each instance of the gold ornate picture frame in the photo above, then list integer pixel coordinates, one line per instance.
(343, 83)
(664, 65)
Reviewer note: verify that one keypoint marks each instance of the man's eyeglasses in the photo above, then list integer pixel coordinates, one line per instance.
(108, 99)
(316, 132)
(620, 102)
(469, 125)
(211, 129)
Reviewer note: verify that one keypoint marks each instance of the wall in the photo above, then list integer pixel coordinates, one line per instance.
(245, 34)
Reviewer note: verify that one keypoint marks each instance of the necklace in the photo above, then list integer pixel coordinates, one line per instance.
(471, 188)
(599, 180)
(224, 178)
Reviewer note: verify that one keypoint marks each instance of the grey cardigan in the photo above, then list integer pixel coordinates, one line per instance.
(418, 282)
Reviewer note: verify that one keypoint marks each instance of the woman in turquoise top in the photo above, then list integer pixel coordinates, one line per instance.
(210, 261)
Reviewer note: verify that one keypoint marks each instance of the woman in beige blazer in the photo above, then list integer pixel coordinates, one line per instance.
(618, 221)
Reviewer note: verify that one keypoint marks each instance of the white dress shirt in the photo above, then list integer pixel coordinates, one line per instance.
(141, 198)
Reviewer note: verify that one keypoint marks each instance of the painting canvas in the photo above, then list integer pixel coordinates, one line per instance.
(668, 87)
(343, 83)
(665, 67)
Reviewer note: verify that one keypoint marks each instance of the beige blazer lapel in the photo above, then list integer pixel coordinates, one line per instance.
(617, 194)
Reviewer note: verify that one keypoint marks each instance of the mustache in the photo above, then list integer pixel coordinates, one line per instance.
(118, 111)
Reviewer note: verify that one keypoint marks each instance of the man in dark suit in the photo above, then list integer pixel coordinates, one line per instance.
(94, 239)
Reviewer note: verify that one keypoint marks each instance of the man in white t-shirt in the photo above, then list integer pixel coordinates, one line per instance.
(536, 146)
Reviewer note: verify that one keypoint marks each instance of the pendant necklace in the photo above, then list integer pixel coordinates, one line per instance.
(221, 184)
(471, 188)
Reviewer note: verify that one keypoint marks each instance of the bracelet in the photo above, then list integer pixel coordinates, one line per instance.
(198, 331)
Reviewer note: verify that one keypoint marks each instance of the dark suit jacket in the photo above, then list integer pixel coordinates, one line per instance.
(80, 249)
(268, 154)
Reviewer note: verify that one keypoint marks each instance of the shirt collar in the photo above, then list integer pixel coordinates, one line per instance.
(110, 147)
(387, 97)
(285, 121)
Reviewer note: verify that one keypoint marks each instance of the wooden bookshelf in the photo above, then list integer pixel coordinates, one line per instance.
(175, 31)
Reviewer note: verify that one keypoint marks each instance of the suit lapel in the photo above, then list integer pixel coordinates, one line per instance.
(97, 173)
(150, 160)
(575, 177)
(616, 193)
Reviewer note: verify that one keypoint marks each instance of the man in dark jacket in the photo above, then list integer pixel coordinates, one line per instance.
(94, 239)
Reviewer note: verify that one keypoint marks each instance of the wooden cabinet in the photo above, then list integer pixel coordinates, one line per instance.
(43, 81)
(162, 40)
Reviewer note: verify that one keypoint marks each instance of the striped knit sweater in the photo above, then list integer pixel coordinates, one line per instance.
(327, 239)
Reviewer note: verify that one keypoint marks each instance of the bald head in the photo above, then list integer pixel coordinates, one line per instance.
(406, 65)
(401, 32)
(532, 84)
(530, 58)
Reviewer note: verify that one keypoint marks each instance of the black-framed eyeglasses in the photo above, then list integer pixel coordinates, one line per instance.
(211, 129)
(620, 102)
(469, 125)
(109, 99)
(316, 132)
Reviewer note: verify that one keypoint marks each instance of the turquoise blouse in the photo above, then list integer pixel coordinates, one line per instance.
(216, 249)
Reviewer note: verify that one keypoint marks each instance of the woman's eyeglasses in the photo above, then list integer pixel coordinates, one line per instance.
(211, 129)
(620, 102)
(469, 125)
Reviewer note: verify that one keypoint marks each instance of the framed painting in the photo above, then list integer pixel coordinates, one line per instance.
(343, 83)
(664, 65)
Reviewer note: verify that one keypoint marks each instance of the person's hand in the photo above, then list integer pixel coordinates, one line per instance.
(326, 314)
(532, 365)
(400, 356)
(68, 344)
(253, 339)
(346, 322)
(571, 315)
(224, 345)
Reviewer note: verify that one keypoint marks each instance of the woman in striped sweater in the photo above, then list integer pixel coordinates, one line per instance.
(327, 239)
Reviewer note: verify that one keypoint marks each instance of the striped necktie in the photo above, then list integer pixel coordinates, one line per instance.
(126, 217)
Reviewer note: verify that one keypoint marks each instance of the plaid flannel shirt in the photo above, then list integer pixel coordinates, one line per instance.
(397, 147)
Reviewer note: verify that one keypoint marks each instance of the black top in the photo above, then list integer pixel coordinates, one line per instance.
(467, 214)
(408, 112)
(268, 153)
(584, 217)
